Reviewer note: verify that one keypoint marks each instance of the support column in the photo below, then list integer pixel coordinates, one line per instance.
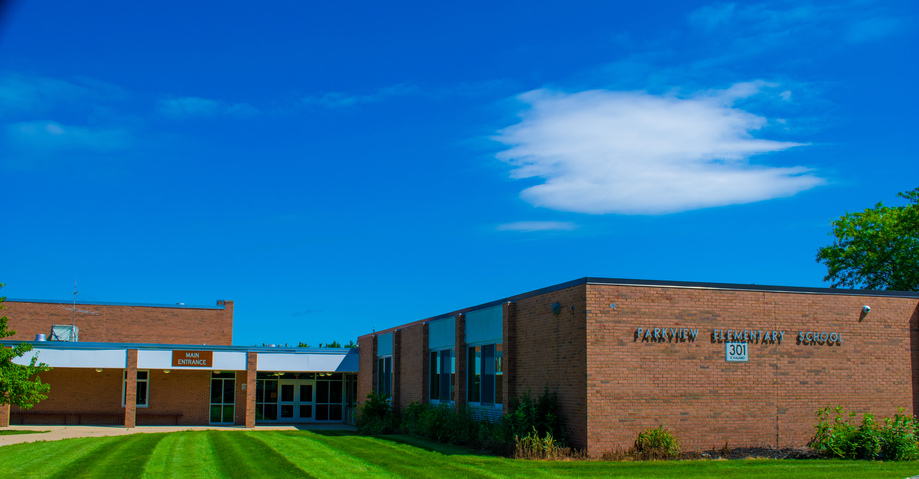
(459, 385)
(509, 361)
(130, 390)
(376, 374)
(251, 387)
(4, 415)
(396, 369)
(425, 366)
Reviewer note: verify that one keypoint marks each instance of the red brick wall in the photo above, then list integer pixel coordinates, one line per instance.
(80, 390)
(124, 324)
(366, 363)
(551, 351)
(411, 365)
(771, 400)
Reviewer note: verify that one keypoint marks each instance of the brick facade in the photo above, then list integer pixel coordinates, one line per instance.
(123, 323)
(613, 384)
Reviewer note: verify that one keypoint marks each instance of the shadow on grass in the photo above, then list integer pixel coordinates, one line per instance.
(433, 446)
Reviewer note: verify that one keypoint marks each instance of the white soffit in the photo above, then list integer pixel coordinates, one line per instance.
(77, 358)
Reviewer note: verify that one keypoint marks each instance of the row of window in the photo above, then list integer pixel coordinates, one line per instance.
(484, 375)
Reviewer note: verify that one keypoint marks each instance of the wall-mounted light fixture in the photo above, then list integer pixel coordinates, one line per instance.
(612, 305)
(866, 309)
(98, 370)
(167, 371)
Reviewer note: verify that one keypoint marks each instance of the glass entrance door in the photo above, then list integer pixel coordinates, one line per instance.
(297, 400)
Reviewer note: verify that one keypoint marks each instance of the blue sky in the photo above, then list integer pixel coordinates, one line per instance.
(335, 168)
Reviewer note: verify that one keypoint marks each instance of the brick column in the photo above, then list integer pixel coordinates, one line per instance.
(4, 415)
(396, 369)
(425, 366)
(130, 389)
(459, 385)
(375, 375)
(509, 344)
(251, 372)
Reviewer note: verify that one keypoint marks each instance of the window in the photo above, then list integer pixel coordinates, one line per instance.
(484, 375)
(329, 398)
(384, 375)
(223, 397)
(143, 391)
(266, 397)
(442, 368)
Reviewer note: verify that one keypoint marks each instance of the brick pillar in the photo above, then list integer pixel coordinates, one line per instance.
(4, 415)
(375, 374)
(460, 380)
(130, 389)
(425, 366)
(509, 344)
(396, 369)
(251, 371)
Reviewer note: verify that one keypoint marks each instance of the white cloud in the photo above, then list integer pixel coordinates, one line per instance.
(528, 226)
(37, 137)
(622, 152)
(343, 100)
(192, 107)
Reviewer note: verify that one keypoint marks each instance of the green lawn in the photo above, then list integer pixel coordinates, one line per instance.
(342, 454)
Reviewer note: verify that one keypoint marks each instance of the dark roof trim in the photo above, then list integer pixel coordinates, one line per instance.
(107, 303)
(180, 347)
(651, 283)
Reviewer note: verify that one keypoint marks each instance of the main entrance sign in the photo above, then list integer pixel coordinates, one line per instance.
(193, 359)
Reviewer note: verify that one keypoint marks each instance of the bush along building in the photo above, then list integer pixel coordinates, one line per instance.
(147, 364)
(743, 365)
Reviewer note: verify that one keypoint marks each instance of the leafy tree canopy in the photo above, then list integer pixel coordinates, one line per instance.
(877, 248)
(17, 385)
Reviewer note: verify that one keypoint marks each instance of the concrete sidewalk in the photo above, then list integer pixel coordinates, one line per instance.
(56, 433)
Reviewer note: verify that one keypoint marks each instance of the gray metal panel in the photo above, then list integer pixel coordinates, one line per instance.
(442, 333)
(485, 325)
(384, 344)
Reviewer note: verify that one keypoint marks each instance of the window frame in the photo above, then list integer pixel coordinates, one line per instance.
(124, 388)
(498, 371)
(431, 368)
(382, 375)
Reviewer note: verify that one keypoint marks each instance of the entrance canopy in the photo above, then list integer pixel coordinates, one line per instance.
(60, 354)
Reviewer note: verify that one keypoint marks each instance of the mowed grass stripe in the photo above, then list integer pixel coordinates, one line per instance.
(241, 455)
(124, 456)
(317, 458)
(399, 459)
(184, 454)
(44, 458)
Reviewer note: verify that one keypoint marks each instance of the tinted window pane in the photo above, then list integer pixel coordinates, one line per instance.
(142, 394)
(488, 374)
(306, 412)
(228, 414)
(306, 393)
(335, 412)
(434, 380)
(271, 391)
(141, 374)
(472, 367)
(335, 392)
(322, 412)
(260, 412)
(322, 391)
(215, 413)
(228, 386)
(287, 411)
(287, 392)
(216, 390)
(271, 412)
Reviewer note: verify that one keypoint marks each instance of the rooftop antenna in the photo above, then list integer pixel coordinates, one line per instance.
(74, 310)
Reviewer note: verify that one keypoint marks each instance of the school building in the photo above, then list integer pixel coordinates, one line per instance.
(151, 364)
(746, 365)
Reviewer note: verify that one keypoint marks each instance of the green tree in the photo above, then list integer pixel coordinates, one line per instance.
(877, 248)
(19, 384)
(333, 344)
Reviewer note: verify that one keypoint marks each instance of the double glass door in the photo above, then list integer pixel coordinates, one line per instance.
(297, 400)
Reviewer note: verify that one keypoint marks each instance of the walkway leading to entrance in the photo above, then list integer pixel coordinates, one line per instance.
(56, 433)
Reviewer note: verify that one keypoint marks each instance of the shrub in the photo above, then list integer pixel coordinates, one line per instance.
(839, 437)
(376, 416)
(658, 443)
(534, 446)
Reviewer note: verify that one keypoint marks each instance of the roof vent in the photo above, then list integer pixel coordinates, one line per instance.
(40, 337)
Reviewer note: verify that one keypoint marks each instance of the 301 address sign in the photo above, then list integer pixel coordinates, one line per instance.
(735, 352)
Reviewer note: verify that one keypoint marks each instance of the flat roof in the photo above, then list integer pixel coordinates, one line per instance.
(653, 283)
(220, 303)
(182, 347)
